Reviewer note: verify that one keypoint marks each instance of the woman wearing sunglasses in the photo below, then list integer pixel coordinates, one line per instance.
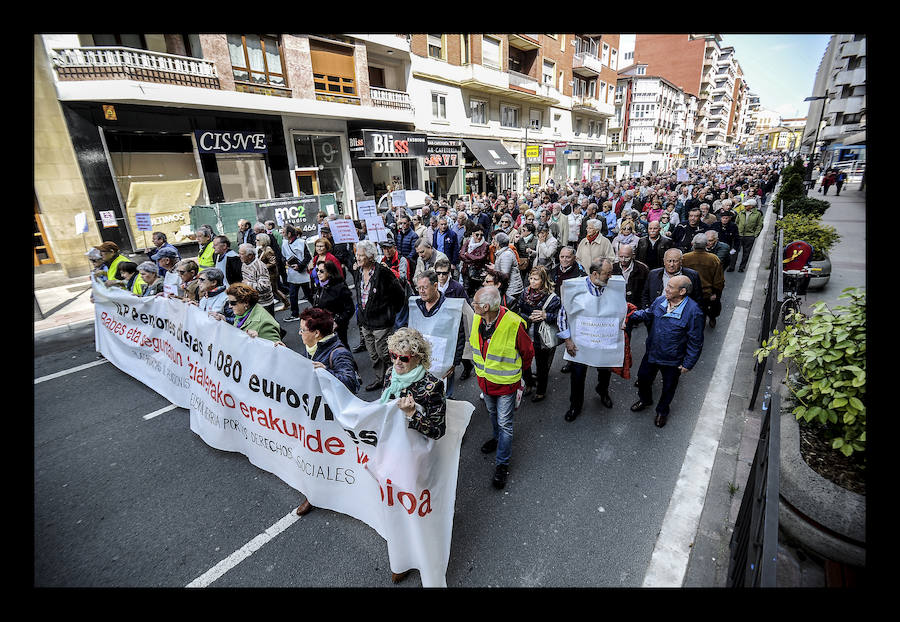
(250, 317)
(333, 295)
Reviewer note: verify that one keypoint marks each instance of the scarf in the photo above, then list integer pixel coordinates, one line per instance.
(473, 245)
(401, 381)
(533, 297)
(240, 319)
(591, 238)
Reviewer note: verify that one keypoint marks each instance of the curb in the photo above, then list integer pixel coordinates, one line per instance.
(61, 330)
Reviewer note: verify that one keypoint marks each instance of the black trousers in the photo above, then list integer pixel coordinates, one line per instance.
(746, 247)
(646, 376)
(576, 384)
(543, 357)
(711, 308)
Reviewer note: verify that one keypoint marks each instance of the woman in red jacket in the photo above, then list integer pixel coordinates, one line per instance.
(323, 248)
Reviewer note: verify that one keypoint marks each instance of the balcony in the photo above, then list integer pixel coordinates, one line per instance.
(120, 63)
(851, 77)
(384, 42)
(853, 48)
(583, 103)
(386, 98)
(586, 64)
(525, 42)
(523, 81)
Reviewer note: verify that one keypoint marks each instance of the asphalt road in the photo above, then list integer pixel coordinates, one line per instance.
(120, 500)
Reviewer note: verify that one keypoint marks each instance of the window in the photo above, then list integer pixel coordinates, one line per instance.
(605, 58)
(334, 71)
(578, 88)
(642, 70)
(590, 128)
(611, 93)
(592, 88)
(559, 84)
(509, 116)
(125, 41)
(465, 59)
(614, 59)
(535, 118)
(577, 127)
(600, 94)
(549, 68)
(629, 55)
(490, 52)
(439, 106)
(258, 59)
(478, 111)
(436, 46)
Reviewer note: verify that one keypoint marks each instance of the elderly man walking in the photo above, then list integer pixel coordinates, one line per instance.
(674, 342)
(501, 349)
(712, 277)
(749, 225)
(594, 246)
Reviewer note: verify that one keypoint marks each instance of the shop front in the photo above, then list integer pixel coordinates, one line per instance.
(443, 168)
(158, 162)
(384, 161)
(489, 166)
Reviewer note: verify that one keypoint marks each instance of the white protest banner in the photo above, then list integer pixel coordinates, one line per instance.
(375, 229)
(108, 218)
(681, 174)
(299, 423)
(343, 231)
(595, 322)
(398, 198)
(366, 209)
(441, 330)
(81, 225)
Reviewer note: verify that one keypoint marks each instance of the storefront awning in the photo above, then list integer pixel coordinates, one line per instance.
(492, 155)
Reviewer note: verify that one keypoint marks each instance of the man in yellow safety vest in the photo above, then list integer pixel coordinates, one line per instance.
(501, 349)
(204, 235)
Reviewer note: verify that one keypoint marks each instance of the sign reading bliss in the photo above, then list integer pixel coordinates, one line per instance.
(294, 421)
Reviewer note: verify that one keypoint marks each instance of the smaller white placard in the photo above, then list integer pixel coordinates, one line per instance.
(597, 333)
(438, 346)
(681, 174)
(376, 230)
(81, 225)
(398, 198)
(366, 209)
(108, 218)
(343, 231)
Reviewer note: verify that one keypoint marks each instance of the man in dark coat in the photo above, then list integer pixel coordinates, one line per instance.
(634, 272)
(657, 279)
(652, 247)
(685, 231)
(406, 239)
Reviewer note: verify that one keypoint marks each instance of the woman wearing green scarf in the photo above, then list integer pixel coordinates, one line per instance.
(249, 316)
(419, 394)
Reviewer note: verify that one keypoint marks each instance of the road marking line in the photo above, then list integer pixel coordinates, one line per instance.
(156, 413)
(245, 551)
(69, 371)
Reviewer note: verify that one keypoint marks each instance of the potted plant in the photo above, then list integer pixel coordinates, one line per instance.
(822, 238)
(824, 428)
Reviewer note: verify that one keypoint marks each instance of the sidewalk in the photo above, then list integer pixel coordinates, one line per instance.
(61, 304)
(710, 553)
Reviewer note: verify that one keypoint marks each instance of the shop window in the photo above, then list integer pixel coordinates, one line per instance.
(243, 177)
(478, 111)
(324, 154)
(256, 59)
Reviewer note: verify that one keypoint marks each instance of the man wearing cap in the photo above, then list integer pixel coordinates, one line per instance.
(166, 258)
(749, 225)
(398, 264)
(109, 252)
(161, 242)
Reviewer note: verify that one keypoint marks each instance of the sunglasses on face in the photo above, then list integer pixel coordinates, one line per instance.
(439, 272)
(403, 358)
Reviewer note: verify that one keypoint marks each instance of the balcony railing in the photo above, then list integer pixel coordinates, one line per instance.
(523, 81)
(587, 60)
(387, 98)
(121, 63)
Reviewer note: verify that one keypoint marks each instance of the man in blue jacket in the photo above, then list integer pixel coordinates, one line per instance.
(674, 342)
(406, 239)
(446, 241)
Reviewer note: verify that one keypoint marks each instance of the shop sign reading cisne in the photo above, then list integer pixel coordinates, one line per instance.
(212, 141)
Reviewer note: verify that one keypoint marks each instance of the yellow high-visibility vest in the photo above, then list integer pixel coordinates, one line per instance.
(503, 364)
(139, 285)
(114, 266)
(205, 260)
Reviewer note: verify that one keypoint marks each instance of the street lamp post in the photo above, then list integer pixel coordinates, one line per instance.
(816, 141)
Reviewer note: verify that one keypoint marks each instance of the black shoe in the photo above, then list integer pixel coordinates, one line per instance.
(465, 374)
(490, 446)
(571, 414)
(374, 386)
(639, 406)
(730, 270)
(742, 269)
(529, 389)
(605, 399)
(660, 420)
(566, 368)
(292, 318)
(360, 348)
(712, 322)
(500, 475)
(538, 397)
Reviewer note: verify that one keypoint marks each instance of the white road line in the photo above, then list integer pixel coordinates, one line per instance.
(69, 371)
(156, 413)
(672, 551)
(244, 552)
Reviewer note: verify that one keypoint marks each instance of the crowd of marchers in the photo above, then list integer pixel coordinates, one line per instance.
(670, 235)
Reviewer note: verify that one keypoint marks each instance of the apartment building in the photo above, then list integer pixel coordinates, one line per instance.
(842, 79)
(494, 96)
(651, 131)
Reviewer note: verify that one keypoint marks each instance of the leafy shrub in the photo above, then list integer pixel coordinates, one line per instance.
(792, 189)
(807, 206)
(809, 229)
(829, 352)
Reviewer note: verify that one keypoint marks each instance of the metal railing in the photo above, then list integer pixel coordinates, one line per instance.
(121, 63)
(774, 298)
(387, 98)
(754, 542)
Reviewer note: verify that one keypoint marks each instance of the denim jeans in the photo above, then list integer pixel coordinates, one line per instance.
(501, 409)
(646, 376)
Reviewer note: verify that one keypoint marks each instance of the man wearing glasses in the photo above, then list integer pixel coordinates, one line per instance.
(452, 288)
(430, 301)
(501, 349)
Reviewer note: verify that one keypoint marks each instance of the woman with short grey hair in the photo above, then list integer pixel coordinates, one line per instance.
(149, 272)
(505, 263)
